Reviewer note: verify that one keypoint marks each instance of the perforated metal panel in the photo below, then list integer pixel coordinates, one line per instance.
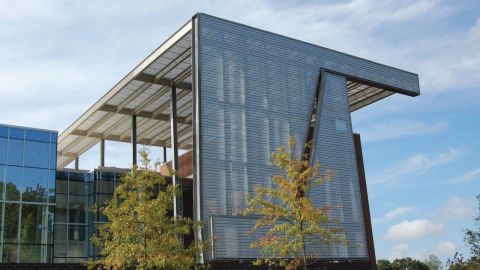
(334, 149)
(256, 89)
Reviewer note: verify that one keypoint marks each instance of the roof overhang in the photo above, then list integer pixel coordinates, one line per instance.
(145, 92)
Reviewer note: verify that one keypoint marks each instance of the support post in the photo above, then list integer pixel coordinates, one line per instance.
(76, 164)
(102, 153)
(164, 154)
(134, 140)
(176, 181)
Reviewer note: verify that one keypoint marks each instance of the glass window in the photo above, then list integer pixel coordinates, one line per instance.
(10, 229)
(9, 253)
(2, 173)
(77, 209)
(53, 137)
(33, 229)
(61, 182)
(53, 156)
(3, 150)
(34, 187)
(15, 152)
(3, 131)
(36, 135)
(61, 208)
(60, 241)
(17, 133)
(78, 184)
(13, 181)
(36, 154)
(50, 222)
(33, 253)
(51, 186)
(77, 244)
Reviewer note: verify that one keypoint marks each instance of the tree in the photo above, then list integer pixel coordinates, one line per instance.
(408, 264)
(458, 262)
(384, 265)
(141, 233)
(289, 215)
(472, 236)
(433, 263)
(472, 240)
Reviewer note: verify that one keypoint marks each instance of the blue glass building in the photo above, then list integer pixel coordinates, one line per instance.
(27, 174)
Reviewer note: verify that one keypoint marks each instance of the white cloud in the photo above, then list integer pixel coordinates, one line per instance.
(398, 251)
(412, 167)
(458, 208)
(394, 214)
(469, 176)
(446, 248)
(399, 128)
(414, 229)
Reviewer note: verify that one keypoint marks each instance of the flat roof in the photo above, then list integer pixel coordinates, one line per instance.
(145, 92)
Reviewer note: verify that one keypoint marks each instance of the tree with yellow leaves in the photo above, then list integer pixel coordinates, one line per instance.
(141, 232)
(292, 220)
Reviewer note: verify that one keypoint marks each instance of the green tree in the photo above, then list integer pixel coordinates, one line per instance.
(433, 262)
(472, 236)
(472, 240)
(141, 233)
(289, 215)
(458, 262)
(408, 264)
(384, 265)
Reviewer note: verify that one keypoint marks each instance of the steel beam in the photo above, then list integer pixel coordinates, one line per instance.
(176, 181)
(134, 140)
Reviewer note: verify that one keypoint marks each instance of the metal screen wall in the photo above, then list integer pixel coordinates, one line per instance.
(256, 89)
(334, 149)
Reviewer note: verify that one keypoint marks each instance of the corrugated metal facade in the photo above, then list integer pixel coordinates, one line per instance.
(257, 88)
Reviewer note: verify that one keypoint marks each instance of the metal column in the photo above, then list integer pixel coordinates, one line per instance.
(176, 181)
(164, 154)
(76, 164)
(134, 140)
(102, 153)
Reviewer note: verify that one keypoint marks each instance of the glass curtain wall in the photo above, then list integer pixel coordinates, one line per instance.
(72, 216)
(75, 219)
(27, 179)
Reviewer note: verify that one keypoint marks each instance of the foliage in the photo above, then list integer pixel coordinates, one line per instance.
(141, 233)
(433, 263)
(408, 263)
(289, 215)
(384, 265)
(472, 237)
(472, 240)
(458, 262)
(402, 264)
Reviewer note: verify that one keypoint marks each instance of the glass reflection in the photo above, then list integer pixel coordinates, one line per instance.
(34, 188)
(10, 228)
(36, 154)
(34, 224)
(77, 209)
(33, 253)
(13, 181)
(15, 152)
(9, 254)
(3, 150)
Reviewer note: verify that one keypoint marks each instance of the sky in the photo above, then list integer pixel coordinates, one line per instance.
(422, 154)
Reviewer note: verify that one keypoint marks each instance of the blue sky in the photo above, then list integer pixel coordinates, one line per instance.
(422, 154)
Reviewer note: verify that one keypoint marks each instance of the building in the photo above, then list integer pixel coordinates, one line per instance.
(229, 95)
(27, 173)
